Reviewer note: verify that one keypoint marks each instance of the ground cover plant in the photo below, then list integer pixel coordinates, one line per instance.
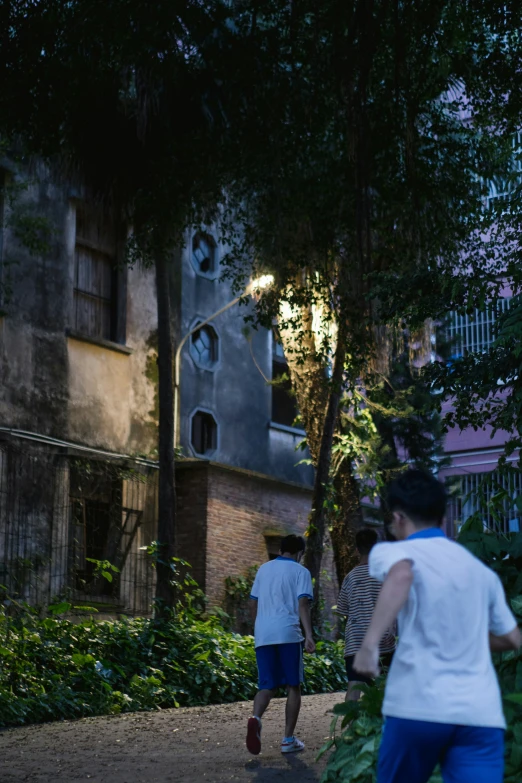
(354, 744)
(53, 668)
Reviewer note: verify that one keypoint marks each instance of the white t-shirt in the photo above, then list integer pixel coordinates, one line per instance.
(278, 586)
(442, 669)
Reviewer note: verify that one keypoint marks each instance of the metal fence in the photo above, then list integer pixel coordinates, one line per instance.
(493, 494)
(64, 519)
(474, 333)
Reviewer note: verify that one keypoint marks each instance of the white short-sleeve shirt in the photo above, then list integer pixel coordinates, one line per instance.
(442, 669)
(277, 588)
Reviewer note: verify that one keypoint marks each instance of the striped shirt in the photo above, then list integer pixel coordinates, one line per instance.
(357, 599)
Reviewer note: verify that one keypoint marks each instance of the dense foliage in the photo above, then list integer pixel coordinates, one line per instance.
(54, 669)
(356, 745)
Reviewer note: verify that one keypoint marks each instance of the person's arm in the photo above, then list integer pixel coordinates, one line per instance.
(306, 619)
(253, 609)
(504, 633)
(508, 641)
(343, 598)
(394, 594)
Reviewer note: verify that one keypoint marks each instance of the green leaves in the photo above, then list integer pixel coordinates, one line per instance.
(103, 568)
(52, 668)
(61, 608)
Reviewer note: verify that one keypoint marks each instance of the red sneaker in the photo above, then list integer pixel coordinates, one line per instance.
(253, 737)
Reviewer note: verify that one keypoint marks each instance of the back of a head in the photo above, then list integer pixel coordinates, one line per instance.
(419, 495)
(292, 544)
(365, 540)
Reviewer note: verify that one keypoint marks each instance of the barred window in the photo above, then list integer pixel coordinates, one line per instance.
(474, 333)
(502, 190)
(475, 491)
(92, 500)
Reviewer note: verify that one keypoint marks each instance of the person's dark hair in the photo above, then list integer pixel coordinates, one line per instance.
(418, 494)
(365, 540)
(293, 544)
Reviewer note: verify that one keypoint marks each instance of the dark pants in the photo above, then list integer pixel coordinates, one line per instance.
(354, 676)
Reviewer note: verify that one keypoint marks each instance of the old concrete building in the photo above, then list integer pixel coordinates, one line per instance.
(78, 410)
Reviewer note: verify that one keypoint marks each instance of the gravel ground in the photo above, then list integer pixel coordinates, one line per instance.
(185, 745)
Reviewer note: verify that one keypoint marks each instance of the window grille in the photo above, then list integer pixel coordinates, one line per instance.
(204, 254)
(474, 333)
(475, 491)
(204, 347)
(501, 191)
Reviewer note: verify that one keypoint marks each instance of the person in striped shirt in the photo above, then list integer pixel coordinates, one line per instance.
(357, 599)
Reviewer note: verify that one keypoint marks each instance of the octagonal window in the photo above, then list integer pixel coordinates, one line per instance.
(204, 347)
(203, 433)
(204, 254)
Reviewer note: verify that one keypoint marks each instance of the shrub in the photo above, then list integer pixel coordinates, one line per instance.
(52, 668)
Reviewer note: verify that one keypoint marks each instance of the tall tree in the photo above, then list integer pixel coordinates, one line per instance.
(370, 200)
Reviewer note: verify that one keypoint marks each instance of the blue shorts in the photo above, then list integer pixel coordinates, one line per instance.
(411, 749)
(280, 664)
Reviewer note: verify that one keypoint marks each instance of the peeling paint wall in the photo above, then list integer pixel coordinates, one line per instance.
(50, 382)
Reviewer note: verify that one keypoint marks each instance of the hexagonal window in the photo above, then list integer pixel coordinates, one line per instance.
(203, 433)
(204, 254)
(204, 347)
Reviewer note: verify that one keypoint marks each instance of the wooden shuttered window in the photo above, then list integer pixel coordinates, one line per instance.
(96, 278)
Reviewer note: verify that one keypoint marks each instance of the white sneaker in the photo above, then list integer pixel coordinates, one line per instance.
(292, 746)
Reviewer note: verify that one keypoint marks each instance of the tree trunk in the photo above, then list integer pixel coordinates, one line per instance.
(309, 381)
(318, 516)
(167, 486)
(348, 519)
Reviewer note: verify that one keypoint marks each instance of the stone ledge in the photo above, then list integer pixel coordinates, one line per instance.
(99, 341)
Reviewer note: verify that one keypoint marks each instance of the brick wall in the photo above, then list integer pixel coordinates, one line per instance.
(242, 509)
(226, 516)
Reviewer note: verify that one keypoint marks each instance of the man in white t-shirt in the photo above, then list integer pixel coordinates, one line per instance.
(442, 701)
(281, 596)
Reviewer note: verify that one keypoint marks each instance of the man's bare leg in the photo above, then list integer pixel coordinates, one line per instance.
(261, 702)
(293, 705)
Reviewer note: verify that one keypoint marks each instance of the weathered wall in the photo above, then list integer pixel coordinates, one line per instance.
(33, 356)
(51, 383)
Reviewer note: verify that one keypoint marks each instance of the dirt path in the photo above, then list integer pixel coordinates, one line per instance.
(186, 745)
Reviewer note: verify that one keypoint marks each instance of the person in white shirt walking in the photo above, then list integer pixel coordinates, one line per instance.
(281, 596)
(357, 599)
(442, 702)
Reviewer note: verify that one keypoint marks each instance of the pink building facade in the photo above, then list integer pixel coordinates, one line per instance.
(475, 454)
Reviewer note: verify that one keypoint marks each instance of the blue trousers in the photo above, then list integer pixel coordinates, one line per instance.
(280, 664)
(411, 749)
